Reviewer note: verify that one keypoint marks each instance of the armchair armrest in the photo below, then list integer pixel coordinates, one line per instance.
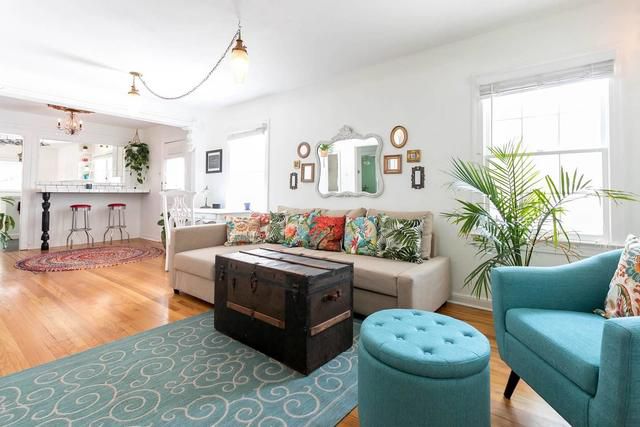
(195, 237)
(617, 399)
(579, 286)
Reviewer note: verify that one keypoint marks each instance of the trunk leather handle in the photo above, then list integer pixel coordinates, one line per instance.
(334, 296)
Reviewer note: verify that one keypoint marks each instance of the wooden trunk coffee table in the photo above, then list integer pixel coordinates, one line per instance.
(294, 308)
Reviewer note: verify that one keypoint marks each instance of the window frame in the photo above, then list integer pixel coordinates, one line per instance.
(479, 132)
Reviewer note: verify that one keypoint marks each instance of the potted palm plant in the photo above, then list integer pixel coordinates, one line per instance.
(520, 210)
(7, 223)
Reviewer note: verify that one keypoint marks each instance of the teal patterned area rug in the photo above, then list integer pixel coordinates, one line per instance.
(184, 373)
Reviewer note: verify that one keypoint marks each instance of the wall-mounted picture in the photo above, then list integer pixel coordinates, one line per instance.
(414, 156)
(293, 181)
(399, 136)
(417, 177)
(296, 164)
(214, 161)
(308, 172)
(393, 164)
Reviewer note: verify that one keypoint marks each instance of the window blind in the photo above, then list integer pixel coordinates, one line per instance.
(249, 132)
(554, 78)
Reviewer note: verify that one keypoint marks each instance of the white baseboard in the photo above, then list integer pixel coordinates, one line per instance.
(470, 301)
(153, 239)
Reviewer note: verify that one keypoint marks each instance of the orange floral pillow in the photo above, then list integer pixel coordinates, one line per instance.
(326, 233)
(264, 219)
(242, 230)
(623, 299)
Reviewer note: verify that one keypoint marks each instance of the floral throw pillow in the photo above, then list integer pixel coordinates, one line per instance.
(296, 229)
(361, 235)
(242, 230)
(623, 299)
(400, 239)
(275, 232)
(326, 233)
(264, 219)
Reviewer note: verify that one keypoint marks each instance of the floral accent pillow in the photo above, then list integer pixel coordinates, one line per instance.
(264, 219)
(326, 233)
(242, 230)
(623, 299)
(400, 239)
(361, 235)
(296, 229)
(275, 232)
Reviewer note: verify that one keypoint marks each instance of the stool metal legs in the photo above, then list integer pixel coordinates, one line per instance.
(74, 227)
(120, 225)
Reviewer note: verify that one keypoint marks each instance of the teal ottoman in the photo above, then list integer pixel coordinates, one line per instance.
(417, 368)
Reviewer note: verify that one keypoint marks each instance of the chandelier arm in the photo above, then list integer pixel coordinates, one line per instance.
(190, 91)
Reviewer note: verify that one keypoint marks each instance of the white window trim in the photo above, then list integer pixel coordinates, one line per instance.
(612, 237)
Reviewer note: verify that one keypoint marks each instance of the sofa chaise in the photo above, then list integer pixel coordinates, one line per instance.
(379, 283)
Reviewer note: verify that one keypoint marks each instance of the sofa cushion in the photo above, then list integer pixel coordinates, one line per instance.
(201, 262)
(569, 341)
(326, 233)
(361, 235)
(400, 239)
(427, 225)
(351, 213)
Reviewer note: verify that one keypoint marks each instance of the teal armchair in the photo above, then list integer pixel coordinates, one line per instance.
(586, 367)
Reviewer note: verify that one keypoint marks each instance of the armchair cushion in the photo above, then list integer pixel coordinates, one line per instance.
(569, 341)
(623, 299)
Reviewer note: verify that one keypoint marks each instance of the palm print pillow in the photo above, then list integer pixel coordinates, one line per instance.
(296, 229)
(275, 231)
(361, 235)
(326, 233)
(400, 239)
(623, 299)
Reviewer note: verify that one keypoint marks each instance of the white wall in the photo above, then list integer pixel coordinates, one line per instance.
(431, 94)
(35, 127)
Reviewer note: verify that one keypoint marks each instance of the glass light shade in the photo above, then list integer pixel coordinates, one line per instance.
(133, 103)
(239, 64)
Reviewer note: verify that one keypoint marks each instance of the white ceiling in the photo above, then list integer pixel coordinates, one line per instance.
(86, 48)
(22, 106)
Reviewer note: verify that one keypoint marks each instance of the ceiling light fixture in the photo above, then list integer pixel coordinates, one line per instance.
(239, 66)
(71, 124)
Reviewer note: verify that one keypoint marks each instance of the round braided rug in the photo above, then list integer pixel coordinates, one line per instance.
(81, 259)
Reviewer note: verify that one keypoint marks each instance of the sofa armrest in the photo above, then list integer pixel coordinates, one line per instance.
(617, 400)
(195, 237)
(425, 286)
(579, 286)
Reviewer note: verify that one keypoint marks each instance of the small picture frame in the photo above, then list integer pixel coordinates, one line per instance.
(293, 181)
(417, 177)
(414, 156)
(307, 172)
(214, 161)
(296, 164)
(304, 149)
(393, 164)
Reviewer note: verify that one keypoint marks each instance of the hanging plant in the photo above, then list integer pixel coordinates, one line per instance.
(136, 158)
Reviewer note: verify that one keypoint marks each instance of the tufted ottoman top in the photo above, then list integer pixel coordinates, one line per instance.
(424, 343)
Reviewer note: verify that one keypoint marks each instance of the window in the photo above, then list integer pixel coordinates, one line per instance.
(562, 118)
(247, 180)
(174, 168)
(10, 163)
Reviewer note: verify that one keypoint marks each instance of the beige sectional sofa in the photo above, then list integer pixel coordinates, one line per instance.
(379, 283)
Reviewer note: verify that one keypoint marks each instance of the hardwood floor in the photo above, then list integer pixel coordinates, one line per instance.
(47, 316)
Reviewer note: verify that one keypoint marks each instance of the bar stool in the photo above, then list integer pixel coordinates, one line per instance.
(74, 223)
(121, 225)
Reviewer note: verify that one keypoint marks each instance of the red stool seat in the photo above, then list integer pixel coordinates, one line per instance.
(117, 205)
(80, 206)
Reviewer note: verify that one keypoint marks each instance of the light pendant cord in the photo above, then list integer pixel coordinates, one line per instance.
(236, 35)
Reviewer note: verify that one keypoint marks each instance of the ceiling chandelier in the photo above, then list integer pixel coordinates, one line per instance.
(239, 66)
(71, 124)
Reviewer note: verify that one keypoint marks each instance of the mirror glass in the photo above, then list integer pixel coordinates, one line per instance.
(350, 165)
(399, 136)
(71, 161)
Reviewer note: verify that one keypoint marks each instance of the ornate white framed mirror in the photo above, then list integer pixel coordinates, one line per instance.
(350, 165)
